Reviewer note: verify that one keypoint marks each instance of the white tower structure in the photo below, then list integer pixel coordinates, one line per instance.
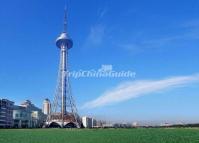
(64, 111)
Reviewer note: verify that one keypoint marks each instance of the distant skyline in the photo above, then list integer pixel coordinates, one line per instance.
(159, 40)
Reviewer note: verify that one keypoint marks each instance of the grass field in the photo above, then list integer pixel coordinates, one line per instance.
(99, 135)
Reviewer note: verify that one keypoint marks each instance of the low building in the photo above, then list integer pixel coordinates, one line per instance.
(135, 124)
(87, 122)
(107, 125)
(22, 117)
(38, 118)
(122, 125)
(6, 112)
(27, 115)
(94, 123)
(99, 124)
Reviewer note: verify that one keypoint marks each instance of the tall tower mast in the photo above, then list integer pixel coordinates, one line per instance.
(64, 109)
(64, 43)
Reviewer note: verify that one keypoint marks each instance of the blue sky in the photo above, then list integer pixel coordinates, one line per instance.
(156, 39)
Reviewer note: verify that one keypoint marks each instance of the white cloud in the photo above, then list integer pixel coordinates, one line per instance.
(129, 90)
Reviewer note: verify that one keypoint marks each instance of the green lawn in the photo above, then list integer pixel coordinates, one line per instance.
(99, 135)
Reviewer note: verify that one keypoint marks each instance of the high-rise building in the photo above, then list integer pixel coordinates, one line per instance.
(46, 107)
(6, 113)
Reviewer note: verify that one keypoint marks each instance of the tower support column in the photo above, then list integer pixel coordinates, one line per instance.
(63, 76)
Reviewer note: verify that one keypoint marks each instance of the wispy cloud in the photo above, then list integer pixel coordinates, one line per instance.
(191, 24)
(144, 45)
(97, 31)
(188, 30)
(95, 36)
(102, 13)
(129, 90)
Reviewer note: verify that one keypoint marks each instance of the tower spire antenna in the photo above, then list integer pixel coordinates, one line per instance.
(65, 19)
